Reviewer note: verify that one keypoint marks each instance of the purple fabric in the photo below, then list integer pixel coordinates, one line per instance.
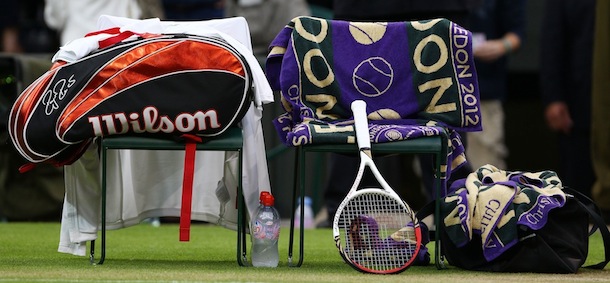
(536, 216)
(377, 73)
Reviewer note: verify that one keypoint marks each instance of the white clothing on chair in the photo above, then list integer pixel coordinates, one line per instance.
(146, 183)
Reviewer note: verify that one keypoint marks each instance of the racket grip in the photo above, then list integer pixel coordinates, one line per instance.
(362, 124)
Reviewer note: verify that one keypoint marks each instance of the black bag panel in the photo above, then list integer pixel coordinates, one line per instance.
(561, 246)
(534, 255)
(568, 233)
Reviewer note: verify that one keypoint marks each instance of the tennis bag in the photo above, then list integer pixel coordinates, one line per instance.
(560, 246)
(162, 85)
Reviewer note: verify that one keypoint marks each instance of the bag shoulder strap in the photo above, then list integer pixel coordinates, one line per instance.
(425, 211)
(598, 222)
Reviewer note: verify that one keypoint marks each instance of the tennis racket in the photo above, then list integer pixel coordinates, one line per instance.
(374, 229)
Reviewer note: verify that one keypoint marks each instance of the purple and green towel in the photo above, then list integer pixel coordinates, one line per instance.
(493, 203)
(418, 79)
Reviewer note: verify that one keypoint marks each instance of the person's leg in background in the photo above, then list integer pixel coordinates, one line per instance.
(342, 168)
(488, 147)
(600, 128)
(576, 165)
(396, 169)
(342, 172)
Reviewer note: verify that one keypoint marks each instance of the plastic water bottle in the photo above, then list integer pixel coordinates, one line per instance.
(265, 231)
(308, 221)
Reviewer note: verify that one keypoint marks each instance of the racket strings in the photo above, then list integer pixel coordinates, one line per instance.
(378, 232)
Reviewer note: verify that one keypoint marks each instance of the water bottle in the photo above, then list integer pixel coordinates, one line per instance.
(265, 231)
(308, 221)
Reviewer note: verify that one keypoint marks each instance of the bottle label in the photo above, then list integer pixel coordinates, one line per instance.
(266, 230)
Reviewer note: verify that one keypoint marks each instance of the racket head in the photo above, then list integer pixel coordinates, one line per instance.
(376, 232)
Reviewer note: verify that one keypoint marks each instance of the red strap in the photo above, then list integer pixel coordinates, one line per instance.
(26, 167)
(115, 39)
(187, 186)
(114, 30)
(117, 36)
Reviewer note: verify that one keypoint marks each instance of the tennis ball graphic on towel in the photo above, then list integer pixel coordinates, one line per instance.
(384, 114)
(393, 135)
(373, 76)
(367, 33)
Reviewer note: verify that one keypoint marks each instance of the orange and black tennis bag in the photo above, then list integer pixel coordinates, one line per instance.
(162, 85)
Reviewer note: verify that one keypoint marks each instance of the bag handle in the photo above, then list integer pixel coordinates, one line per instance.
(588, 204)
(425, 211)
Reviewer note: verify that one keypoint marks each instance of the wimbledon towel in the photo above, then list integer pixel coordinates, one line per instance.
(493, 203)
(418, 79)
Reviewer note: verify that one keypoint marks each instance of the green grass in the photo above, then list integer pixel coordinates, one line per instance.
(28, 253)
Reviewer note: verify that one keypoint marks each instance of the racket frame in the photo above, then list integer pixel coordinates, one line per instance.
(364, 148)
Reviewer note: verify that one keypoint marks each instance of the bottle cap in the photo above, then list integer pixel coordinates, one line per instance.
(262, 196)
(268, 200)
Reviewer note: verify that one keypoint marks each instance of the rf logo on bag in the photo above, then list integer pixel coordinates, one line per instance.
(58, 92)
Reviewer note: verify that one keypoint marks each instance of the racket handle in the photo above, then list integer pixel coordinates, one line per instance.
(362, 124)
